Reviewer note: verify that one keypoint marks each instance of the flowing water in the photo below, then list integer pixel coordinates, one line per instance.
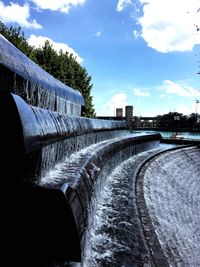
(23, 77)
(172, 194)
(115, 236)
(73, 148)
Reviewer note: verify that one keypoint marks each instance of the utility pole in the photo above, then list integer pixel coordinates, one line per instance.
(197, 102)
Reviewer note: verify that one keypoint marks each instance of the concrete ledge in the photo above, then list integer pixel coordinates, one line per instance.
(42, 127)
(180, 141)
(40, 227)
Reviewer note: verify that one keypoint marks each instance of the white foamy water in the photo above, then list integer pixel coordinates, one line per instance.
(114, 236)
(172, 195)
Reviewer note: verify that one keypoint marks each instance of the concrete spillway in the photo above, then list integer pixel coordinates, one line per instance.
(172, 204)
(41, 204)
(146, 212)
(59, 201)
(79, 189)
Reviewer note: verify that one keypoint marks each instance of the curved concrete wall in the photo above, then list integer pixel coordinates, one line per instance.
(60, 204)
(73, 189)
(23, 136)
(42, 127)
(22, 76)
(40, 227)
(47, 214)
(89, 167)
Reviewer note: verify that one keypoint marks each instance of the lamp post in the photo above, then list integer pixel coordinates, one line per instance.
(197, 102)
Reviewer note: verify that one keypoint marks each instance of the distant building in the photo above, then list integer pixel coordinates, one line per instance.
(128, 114)
(119, 112)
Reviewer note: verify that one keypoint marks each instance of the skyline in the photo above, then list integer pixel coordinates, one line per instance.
(142, 53)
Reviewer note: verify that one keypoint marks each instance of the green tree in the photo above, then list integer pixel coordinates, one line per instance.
(191, 120)
(176, 120)
(170, 120)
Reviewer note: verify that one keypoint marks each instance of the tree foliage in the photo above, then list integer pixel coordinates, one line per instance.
(177, 120)
(63, 66)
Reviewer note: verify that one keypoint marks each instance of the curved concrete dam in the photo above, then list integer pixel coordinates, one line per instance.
(53, 180)
(87, 190)
(57, 160)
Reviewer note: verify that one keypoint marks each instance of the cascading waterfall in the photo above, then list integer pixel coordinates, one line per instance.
(25, 78)
(35, 95)
(114, 234)
(172, 196)
(133, 249)
(79, 179)
(58, 153)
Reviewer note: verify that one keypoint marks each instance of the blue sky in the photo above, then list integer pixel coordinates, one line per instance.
(143, 53)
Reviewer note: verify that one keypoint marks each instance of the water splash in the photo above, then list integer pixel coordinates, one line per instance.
(114, 236)
(172, 197)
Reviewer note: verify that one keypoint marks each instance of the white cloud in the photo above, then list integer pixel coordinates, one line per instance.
(141, 92)
(119, 100)
(168, 25)
(136, 34)
(39, 41)
(162, 96)
(122, 4)
(15, 13)
(59, 5)
(179, 89)
(98, 33)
